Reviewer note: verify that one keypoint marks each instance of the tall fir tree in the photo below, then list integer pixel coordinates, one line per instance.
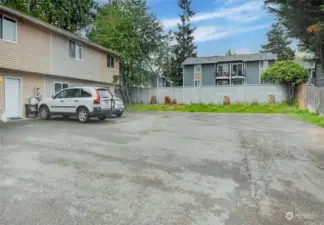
(303, 20)
(184, 38)
(230, 52)
(278, 43)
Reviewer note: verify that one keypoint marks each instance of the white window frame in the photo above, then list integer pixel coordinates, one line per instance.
(112, 58)
(11, 18)
(196, 68)
(228, 65)
(195, 83)
(61, 83)
(75, 50)
(236, 64)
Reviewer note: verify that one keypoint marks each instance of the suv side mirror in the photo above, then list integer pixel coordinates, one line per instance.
(52, 96)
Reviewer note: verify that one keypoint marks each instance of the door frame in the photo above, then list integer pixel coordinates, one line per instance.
(21, 93)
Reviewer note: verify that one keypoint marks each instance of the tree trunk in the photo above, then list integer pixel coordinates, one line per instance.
(291, 87)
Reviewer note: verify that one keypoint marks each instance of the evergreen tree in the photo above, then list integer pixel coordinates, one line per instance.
(278, 43)
(304, 21)
(185, 47)
(230, 52)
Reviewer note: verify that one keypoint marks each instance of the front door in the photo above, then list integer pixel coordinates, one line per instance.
(13, 98)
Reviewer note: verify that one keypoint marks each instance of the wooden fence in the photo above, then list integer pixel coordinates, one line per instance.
(311, 98)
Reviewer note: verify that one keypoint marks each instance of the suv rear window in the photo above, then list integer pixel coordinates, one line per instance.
(104, 93)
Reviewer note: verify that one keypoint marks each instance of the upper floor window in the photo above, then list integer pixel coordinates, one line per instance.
(110, 61)
(264, 64)
(197, 68)
(75, 50)
(237, 69)
(8, 28)
(222, 70)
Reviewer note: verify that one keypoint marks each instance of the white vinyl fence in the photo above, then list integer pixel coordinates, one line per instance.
(211, 94)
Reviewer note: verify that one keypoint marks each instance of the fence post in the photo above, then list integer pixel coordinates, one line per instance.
(244, 92)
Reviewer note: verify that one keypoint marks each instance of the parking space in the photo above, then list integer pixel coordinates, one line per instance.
(162, 168)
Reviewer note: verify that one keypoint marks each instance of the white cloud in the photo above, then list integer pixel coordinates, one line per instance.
(206, 33)
(232, 2)
(246, 12)
(209, 33)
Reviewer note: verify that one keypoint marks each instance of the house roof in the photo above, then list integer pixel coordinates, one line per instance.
(306, 64)
(56, 29)
(242, 57)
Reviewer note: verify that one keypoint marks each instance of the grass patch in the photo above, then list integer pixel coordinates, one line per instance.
(235, 108)
(282, 108)
(152, 131)
(312, 118)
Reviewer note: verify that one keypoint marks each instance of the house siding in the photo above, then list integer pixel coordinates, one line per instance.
(209, 73)
(63, 65)
(50, 81)
(39, 50)
(106, 73)
(29, 82)
(188, 76)
(31, 51)
(252, 74)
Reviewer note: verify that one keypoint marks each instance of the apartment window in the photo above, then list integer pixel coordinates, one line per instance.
(85, 94)
(110, 61)
(237, 69)
(197, 68)
(197, 83)
(222, 70)
(60, 86)
(8, 28)
(264, 65)
(75, 50)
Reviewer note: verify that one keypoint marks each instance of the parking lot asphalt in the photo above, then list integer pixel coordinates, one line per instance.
(162, 168)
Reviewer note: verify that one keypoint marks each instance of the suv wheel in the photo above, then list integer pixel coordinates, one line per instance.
(102, 118)
(44, 113)
(83, 115)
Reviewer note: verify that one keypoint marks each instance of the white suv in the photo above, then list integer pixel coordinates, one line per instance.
(83, 102)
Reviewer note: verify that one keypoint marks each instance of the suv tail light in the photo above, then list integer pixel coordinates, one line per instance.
(96, 101)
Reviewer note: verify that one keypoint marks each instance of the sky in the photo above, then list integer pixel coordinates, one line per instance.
(239, 25)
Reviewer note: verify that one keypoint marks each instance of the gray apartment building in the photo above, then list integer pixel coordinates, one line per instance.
(226, 70)
(232, 70)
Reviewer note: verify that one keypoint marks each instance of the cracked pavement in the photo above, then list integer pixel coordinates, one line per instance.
(163, 168)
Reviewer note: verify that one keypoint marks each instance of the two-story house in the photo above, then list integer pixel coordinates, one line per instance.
(226, 70)
(37, 58)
